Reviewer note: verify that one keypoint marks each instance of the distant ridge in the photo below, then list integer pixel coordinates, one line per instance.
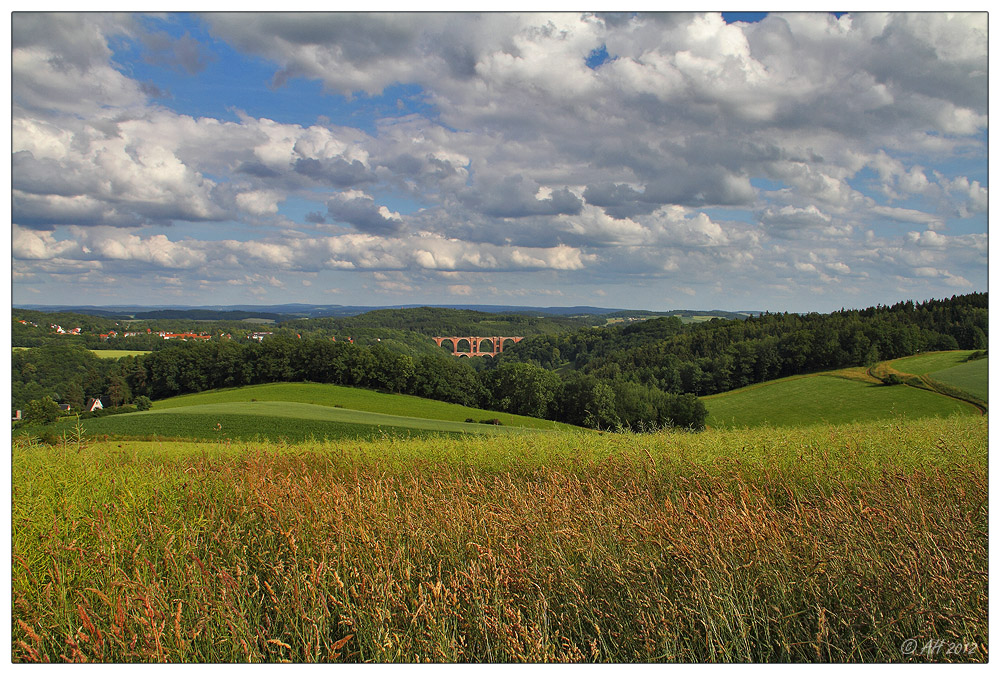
(300, 310)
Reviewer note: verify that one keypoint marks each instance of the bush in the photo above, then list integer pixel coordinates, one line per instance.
(143, 403)
(41, 411)
(892, 380)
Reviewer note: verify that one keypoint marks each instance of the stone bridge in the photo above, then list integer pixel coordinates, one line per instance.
(476, 345)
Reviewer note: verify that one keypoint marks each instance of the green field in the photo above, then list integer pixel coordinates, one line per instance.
(351, 398)
(103, 353)
(950, 368)
(815, 544)
(274, 420)
(295, 412)
(921, 364)
(117, 353)
(810, 399)
(972, 376)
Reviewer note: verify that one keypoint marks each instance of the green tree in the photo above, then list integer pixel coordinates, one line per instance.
(522, 389)
(74, 395)
(117, 392)
(41, 411)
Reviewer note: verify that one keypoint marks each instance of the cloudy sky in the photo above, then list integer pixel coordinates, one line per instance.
(786, 162)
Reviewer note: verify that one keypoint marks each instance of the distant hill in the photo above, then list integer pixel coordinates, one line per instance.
(302, 311)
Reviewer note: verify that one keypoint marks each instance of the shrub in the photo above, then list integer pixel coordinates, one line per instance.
(41, 411)
(892, 379)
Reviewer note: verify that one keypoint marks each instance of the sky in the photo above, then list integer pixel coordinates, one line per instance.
(781, 162)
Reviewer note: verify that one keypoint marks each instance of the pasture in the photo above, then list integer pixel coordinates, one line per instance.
(972, 377)
(117, 353)
(817, 544)
(950, 368)
(922, 364)
(273, 420)
(353, 398)
(294, 412)
(827, 398)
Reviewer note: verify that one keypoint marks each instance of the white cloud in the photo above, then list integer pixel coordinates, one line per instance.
(648, 166)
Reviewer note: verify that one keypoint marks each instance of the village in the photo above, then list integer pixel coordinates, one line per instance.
(59, 330)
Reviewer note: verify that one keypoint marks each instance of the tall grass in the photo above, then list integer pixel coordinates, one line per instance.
(818, 544)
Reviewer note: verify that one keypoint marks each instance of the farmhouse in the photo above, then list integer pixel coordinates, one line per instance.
(93, 404)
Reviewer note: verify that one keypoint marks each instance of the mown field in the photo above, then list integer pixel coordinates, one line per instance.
(833, 398)
(275, 420)
(353, 398)
(951, 368)
(972, 377)
(293, 412)
(822, 543)
(117, 353)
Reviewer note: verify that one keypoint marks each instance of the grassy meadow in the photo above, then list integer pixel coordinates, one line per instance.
(352, 398)
(833, 398)
(117, 353)
(922, 364)
(294, 412)
(972, 377)
(821, 543)
(949, 368)
(274, 420)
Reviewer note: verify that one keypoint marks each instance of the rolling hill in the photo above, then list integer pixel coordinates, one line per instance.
(832, 397)
(299, 411)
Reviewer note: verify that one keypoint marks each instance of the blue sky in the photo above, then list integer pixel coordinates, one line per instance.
(741, 161)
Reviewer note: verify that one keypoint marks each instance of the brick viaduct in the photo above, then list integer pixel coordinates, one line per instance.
(475, 345)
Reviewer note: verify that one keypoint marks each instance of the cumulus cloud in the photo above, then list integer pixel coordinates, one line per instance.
(184, 54)
(359, 209)
(696, 148)
(517, 197)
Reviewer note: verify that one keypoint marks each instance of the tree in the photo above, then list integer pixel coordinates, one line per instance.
(447, 379)
(74, 395)
(41, 411)
(522, 389)
(118, 392)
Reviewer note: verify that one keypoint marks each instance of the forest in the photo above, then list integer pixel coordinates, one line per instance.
(643, 375)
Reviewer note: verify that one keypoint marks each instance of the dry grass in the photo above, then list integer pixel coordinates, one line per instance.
(824, 544)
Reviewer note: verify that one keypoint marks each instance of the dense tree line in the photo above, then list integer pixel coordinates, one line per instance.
(70, 374)
(719, 355)
(641, 375)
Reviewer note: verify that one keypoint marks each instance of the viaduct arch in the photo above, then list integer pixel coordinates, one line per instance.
(475, 345)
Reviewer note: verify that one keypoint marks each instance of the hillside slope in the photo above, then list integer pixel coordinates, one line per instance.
(834, 397)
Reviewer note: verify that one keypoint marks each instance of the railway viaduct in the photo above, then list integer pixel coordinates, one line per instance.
(476, 345)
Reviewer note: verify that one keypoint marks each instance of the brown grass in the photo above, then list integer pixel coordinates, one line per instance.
(634, 548)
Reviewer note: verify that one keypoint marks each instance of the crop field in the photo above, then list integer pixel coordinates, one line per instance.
(972, 376)
(817, 544)
(272, 420)
(293, 412)
(808, 399)
(921, 364)
(104, 353)
(354, 399)
(117, 353)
